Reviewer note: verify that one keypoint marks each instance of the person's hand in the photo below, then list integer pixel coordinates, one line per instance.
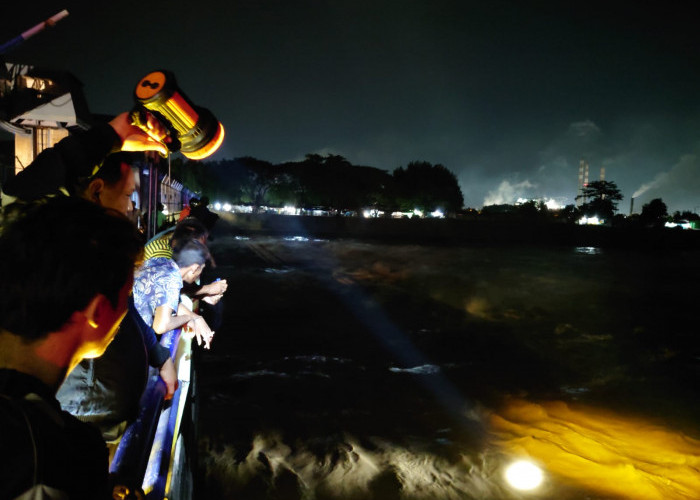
(201, 331)
(169, 376)
(213, 299)
(153, 138)
(216, 287)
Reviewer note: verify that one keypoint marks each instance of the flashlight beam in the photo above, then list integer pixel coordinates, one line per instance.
(51, 21)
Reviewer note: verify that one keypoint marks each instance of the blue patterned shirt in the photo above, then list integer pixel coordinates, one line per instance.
(156, 283)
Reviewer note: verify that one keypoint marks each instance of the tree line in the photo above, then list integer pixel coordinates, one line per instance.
(328, 181)
(332, 182)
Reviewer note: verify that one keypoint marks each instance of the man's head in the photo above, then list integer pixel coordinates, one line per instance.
(191, 259)
(113, 184)
(62, 256)
(189, 228)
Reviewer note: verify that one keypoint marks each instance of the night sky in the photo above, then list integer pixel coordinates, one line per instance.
(508, 95)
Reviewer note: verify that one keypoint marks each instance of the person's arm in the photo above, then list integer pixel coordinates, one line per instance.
(158, 355)
(212, 289)
(164, 321)
(199, 326)
(77, 155)
(168, 374)
(60, 166)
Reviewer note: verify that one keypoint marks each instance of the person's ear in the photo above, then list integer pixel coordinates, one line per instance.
(99, 323)
(94, 189)
(101, 315)
(93, 310)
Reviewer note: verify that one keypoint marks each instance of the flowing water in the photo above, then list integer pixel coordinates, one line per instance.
(352, 370)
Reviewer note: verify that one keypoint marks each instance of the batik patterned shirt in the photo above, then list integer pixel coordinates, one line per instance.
(156, 283)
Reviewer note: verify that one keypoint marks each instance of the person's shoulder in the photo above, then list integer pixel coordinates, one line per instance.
(159, 246)
(156, 266)
(154, 263)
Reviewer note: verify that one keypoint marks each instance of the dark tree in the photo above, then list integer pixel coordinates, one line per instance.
(198, 176)
(689, 216)
(285, 191)
(332, 182)
(327, 181)
(260, 177)
(427, 187)
(570, 213)
(654, 213)
(532, 210)
(600, 199)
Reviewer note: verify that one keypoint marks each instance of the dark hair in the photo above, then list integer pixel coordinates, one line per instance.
(189, 228)
(192, 252)
(57, 254)
(110, 171)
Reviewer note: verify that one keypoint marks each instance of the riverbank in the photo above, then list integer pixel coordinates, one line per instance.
(461, 232)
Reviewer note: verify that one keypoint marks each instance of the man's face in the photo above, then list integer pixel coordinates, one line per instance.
(193, 274)
(118, 195)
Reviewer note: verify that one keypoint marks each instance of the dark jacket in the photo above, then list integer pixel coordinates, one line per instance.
(64, 164)
(43, 446)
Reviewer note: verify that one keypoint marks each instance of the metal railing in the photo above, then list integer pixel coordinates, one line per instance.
(153, 450)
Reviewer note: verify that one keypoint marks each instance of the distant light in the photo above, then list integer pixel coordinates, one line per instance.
(552, 204)
(595, 221)
(417, 212)
(524, 475)
(217, 206)
(683, 224)
(227, 207)
(290, 210)
(372, 213)
(437, 214)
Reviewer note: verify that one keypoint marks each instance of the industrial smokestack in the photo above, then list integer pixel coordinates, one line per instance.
(631, 205)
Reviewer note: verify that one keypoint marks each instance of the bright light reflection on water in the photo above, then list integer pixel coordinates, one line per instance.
(524, 475)
(588, 250)
(612, 454)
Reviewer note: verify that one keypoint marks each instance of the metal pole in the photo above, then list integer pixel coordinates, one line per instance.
(51, 21)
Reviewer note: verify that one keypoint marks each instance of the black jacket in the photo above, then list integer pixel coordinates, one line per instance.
(43, 446)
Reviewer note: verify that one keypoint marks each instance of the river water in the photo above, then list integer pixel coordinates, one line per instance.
(353, 370)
